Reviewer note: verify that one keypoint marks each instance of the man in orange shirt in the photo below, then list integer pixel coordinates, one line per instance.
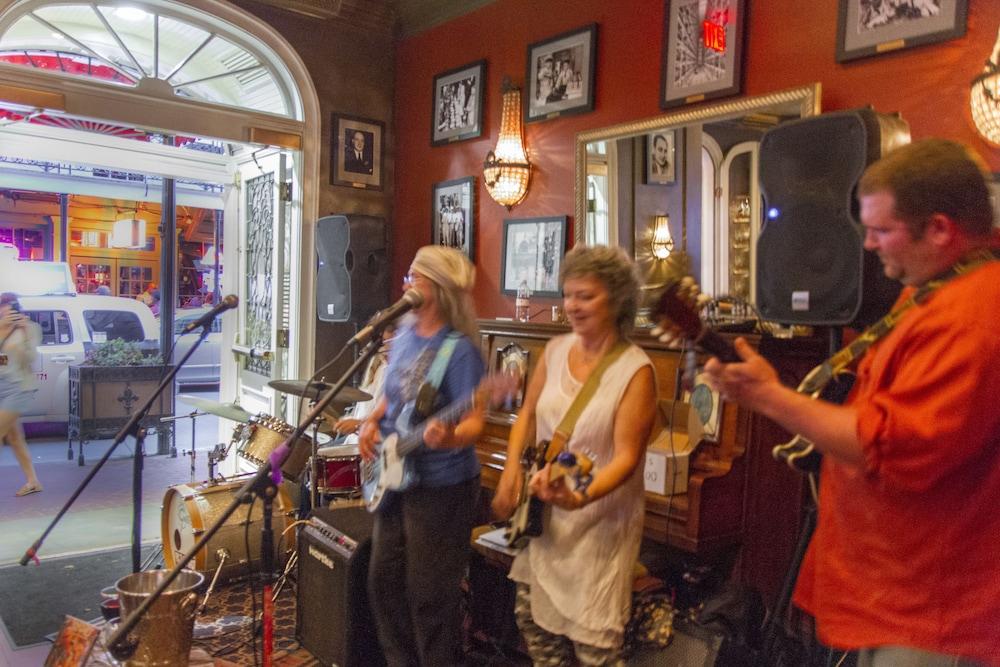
(904, 565)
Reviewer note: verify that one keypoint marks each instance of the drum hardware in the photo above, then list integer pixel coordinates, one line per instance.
(217, 454)
(223, 555)
(293, 560)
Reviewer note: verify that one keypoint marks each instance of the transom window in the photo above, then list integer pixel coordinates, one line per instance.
(148, 48)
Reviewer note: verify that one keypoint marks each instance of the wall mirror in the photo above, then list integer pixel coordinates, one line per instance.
(691, 173)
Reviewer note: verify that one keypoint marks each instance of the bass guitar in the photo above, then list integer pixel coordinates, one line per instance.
(526, 521)
(392, 468)
(827, 381)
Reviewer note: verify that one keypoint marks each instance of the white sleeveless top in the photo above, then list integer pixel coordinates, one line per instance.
(581, 568)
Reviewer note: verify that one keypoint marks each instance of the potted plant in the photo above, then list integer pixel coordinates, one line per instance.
(116, 378)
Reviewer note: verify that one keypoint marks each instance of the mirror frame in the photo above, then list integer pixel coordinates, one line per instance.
(807, 98)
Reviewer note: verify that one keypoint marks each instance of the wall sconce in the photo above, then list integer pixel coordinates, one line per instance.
(985, 98)
(506, 170)
(662, 243)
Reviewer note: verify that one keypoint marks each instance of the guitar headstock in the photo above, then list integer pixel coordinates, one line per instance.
(677, 311)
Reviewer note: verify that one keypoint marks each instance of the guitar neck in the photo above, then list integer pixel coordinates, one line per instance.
(716, 345)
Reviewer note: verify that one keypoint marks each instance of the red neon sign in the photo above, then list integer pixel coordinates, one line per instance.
(713, 36)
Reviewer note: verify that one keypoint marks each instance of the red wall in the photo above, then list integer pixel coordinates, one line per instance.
(789, 43)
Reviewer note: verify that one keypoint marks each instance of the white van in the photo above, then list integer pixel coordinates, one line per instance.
(67, 322)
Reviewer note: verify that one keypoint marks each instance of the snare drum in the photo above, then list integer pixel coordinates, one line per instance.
(337, 470)
(189, 510)
(262, 435)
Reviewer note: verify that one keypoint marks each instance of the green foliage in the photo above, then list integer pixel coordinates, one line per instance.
(120, 352)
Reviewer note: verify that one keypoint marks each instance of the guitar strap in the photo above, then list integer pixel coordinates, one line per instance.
(860, 345)
(568, 423)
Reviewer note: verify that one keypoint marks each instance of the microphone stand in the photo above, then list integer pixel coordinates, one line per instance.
(264, 485)
(132, 428)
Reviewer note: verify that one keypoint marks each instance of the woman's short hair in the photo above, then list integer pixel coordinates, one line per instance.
(453, 276)
(613, 268)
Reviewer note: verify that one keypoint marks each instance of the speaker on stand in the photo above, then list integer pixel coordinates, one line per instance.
(812, 267)
(332, 619)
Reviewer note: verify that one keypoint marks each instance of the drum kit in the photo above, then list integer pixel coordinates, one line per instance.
(333, 472)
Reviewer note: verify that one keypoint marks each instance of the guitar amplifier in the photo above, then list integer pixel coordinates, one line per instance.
(332, 619)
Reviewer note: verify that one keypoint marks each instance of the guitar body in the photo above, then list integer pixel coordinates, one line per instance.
(390, 472)
(526, 521)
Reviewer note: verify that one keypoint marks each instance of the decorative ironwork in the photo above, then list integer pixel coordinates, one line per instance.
(127, 399)
(259, 276)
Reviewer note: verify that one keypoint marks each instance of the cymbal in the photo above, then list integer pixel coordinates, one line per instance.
(314, 390)
(226, 410)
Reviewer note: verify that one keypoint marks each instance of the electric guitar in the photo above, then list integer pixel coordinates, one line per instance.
(824, 381)
(392, 471)
(526, 521)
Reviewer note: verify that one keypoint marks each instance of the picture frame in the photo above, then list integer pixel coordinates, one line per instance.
(702, 51)
(457, 113)
(514, 358)
(357, 152)
(533, 249)
(863, 30)
(560, 77)
(453, 206)
(661, 166)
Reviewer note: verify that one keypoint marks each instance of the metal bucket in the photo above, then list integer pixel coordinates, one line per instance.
(164, 632)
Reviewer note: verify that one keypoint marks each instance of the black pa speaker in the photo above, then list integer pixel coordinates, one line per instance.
(352, 276)
(812, 267)
(332, 617)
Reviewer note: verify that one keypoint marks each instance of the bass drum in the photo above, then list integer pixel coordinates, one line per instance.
(189, 510)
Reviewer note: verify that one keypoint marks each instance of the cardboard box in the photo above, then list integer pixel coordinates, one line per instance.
(666, 471)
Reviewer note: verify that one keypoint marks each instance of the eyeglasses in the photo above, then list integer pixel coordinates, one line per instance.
(409, 278)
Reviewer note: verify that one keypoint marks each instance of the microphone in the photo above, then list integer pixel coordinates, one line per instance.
(228, 301)
(410, 300)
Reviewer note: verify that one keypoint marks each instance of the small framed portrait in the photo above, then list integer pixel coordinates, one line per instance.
(870, 27)
(660, 166)
(532, 253)
(453, 204)
(561, 74)
(357, 151)
(458, 104)
(513, 359)
(702, 50)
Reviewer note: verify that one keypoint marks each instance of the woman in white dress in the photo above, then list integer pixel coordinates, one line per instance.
(574, 582)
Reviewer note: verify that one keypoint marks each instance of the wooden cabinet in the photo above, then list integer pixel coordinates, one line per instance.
(738, 497)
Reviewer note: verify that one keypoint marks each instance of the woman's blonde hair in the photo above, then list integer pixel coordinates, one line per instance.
(453, 276)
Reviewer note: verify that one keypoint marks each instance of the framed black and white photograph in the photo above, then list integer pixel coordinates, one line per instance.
(561, 74)
(532, 253)
(357, 151)
(870, 27)
(660, 167)
(453, 205)
(702, 50)
(458, 103)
